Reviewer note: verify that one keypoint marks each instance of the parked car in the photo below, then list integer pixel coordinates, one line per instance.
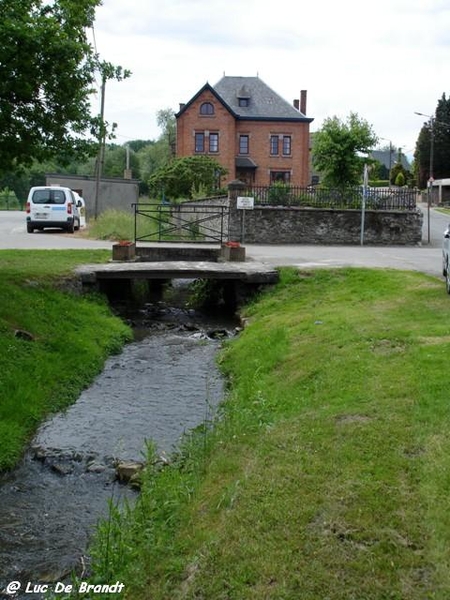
(82, 208)
(52, 206)
(446, 257)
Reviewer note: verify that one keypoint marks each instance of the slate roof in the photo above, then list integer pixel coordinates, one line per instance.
(382, 156)
(263, 103)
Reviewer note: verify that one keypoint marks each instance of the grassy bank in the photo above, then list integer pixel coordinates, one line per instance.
(328, 474)
(53, 342)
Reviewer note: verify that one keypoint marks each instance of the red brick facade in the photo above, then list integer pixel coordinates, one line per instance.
(254, 146)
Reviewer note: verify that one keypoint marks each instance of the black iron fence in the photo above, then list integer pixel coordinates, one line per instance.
(187, 222)
(320, 197)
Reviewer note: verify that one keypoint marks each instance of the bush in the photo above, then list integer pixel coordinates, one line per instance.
(8, 200)
(379, 183)
(279, 194)
(400, 179)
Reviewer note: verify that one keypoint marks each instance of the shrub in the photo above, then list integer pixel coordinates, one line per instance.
(279, 194)
(400, 179)
(8, 200)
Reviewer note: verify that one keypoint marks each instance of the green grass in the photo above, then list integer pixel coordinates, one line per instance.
(152, 225)
(71, 336)
(445, 211)
(119, 225)
(328, 474)
(112, 225)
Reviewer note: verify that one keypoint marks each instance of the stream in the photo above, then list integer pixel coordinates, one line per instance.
(161, 386)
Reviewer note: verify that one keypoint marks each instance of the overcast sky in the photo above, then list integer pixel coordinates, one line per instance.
(384, 60)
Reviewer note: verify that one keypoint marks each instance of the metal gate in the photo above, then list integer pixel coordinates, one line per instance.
(187, 222)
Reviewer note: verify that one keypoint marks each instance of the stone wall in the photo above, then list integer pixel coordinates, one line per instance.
(279, 225)
(296, 225)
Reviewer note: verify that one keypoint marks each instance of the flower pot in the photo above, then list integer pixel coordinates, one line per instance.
(124, 251)
(232, 251)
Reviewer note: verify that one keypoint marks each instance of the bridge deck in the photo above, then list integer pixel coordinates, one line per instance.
(247, 272)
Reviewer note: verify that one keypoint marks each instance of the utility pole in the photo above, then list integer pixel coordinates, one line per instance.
(431, 175)
(107, 71)
(101, 147)
(390, 162)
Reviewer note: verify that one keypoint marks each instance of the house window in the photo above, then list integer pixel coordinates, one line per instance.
(214, 142)
(244, 101)
(206, 108)
(244, 142)
(286, 145)
(280, 177)
(200, 141)
(274, 145)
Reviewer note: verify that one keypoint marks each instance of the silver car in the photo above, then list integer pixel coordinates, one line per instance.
(446, 257)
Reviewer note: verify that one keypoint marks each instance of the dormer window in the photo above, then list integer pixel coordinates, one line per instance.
(206, 108)
(243, 97)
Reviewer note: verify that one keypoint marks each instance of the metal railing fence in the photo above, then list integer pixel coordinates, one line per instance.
(347, 198)
(180, 223)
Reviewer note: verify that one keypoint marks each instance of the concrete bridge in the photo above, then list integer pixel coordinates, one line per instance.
(236, 280)
(245, 272)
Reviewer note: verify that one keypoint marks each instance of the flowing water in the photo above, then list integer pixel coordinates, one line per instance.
(160, 386)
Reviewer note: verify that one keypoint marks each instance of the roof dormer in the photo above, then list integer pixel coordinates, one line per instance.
(243, 96)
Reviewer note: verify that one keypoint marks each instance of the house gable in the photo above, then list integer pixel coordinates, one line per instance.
(201, 92)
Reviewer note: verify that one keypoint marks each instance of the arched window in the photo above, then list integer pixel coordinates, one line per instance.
(206, 108)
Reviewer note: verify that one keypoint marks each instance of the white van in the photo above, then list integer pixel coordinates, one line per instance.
(52, 206)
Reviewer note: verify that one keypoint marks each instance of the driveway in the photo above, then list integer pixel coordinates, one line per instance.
(425, 258)
(13, 235)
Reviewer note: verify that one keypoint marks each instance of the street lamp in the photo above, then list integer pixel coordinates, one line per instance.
(431, 178)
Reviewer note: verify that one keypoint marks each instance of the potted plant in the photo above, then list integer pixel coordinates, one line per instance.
(124, 250)
(233, 251)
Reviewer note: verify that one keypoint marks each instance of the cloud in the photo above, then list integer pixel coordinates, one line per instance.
(384, 61)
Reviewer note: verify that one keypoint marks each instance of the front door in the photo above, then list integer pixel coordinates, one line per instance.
(246, 175)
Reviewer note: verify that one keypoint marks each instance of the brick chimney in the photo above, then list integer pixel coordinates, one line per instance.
(303, 95)
(297, 104)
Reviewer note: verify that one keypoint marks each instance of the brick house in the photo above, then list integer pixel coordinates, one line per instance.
(249, 129)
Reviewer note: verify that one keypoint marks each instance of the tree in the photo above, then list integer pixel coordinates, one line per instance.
(165, 119)
(336, 147)
(47, 70)
(138, 145)
(182, 175)
(116, 161)
(400, 179)
(434, 133)
(399, 169)
(152, 157)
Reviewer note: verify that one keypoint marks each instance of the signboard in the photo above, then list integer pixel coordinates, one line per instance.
(245, 202)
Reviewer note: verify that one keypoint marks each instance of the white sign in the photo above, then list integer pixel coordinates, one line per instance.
(245, 203)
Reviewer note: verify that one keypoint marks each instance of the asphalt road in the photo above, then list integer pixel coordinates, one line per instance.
(13, 235)
(425, 258)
